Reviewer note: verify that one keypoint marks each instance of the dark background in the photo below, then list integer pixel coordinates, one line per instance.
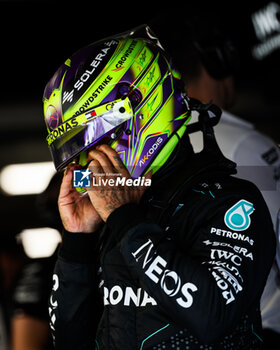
(37, 37)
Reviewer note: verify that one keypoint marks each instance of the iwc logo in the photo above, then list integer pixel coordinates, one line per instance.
(237, 218)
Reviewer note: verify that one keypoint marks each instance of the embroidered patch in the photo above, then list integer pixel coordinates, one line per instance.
(238, 216)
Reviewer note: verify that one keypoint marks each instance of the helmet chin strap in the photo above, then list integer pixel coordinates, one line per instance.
(208, 114)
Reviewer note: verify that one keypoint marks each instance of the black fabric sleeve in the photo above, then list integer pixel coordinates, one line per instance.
(74, 305)
(208, 287)
(125, 217)
(79, 247)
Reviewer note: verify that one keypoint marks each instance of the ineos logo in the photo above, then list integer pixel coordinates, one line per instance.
(169, 280)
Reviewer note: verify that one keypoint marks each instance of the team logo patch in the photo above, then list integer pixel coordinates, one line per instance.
(81, 178)
(237, 217)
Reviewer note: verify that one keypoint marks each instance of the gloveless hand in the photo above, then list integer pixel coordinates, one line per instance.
(76, 211)
(104, 162)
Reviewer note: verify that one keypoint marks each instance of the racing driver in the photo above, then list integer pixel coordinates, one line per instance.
(180, 264)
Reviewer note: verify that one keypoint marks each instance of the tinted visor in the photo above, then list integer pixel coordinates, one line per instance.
(77, 134)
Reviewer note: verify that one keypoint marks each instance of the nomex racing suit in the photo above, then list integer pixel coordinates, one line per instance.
(190, 277)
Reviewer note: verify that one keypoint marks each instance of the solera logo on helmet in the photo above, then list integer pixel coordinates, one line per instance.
(94, 64)
(68, 96)
(151, 151)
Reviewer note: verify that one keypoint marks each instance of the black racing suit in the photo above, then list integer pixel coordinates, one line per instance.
(185, 275)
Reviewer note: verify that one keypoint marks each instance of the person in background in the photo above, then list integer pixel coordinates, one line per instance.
(208, 60)
(12, 259)
(29, 323)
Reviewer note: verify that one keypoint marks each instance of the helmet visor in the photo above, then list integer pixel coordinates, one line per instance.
(80, 132)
